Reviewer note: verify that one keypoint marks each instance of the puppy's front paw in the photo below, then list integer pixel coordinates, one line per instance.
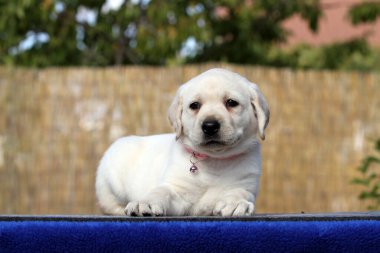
(143, 209)
(238, 208)
(204, 210)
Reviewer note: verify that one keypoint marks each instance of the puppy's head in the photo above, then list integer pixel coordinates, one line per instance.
(219, 111)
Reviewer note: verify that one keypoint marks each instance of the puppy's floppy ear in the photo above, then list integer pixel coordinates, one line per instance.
(175, 113)
(260, 106)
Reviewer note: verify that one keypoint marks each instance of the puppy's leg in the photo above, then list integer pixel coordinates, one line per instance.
(235, 202)
(161, 201)
(110, 206)
(206, 204)
(107, 201)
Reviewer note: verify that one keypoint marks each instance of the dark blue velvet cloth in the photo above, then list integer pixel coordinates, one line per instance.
(265, 233)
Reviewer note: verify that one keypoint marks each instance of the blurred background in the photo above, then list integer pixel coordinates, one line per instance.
(76, 75)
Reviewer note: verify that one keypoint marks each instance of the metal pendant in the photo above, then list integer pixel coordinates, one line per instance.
(193, 169)
(193, 161)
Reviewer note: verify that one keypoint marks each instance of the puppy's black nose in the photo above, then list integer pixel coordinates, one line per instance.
(210, 127)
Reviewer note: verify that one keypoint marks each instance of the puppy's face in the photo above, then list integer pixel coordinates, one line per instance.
(215, 112)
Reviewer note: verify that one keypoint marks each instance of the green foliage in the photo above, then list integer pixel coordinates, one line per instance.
(146, 32)
(135, 33)
(247, 32)
(366, 12)
(350, 55)
(22, 17)
(154, 32)
(370, 179)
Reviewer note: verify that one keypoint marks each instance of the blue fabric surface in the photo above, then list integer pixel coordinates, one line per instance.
(250, 235)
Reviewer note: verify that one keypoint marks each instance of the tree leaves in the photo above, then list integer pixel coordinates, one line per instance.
(146, 32)
(366, 12)
(155, 32)
(370, 179)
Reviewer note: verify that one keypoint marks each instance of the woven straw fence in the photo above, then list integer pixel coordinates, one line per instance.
(56, 123)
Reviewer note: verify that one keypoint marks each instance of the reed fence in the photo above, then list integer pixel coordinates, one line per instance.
(55, 124)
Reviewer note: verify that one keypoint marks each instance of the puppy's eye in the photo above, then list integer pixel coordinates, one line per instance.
(195, 106)
(231, 103)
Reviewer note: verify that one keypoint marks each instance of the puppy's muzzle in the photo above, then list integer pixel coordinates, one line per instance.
(210, 127)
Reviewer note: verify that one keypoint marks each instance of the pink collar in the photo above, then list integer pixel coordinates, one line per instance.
(202, 157)
(197, 155)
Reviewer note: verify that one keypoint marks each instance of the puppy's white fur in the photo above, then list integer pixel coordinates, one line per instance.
(150, 175)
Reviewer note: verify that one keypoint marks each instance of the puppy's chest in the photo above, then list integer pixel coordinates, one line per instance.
(207, 176)
(204, 180)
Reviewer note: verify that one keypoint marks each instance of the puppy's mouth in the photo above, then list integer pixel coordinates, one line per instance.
(217, 143)
(213, 143)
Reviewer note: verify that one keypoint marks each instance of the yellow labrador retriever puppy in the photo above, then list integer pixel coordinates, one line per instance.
(210, 166)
